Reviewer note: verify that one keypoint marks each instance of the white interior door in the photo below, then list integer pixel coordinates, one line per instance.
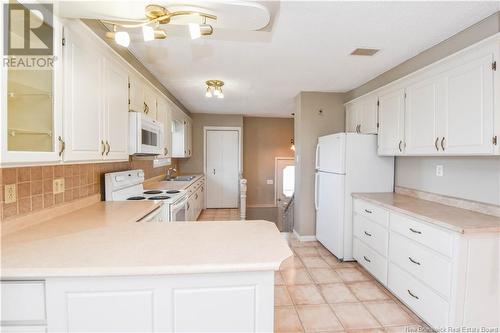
(222, 168)
(329, 201)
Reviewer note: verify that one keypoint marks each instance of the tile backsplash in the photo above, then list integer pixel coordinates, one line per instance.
(34, 184)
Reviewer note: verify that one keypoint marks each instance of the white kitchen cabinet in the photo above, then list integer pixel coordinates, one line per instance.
(449, 279)
(136, 94)
(150, 101)
(361, 115)
(164, 116)
(189, 136)
(181, 134)
(391, 132)
(468, 115)
(115, 111)
(83, 98)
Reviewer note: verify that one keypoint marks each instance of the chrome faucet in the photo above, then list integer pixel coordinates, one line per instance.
(169, 173)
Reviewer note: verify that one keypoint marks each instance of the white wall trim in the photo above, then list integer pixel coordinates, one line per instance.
(304, 238)
(240, 150)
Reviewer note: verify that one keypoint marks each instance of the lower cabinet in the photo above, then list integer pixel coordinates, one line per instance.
(23, 306)
(196, 199)
(447, 278)
(211, 302)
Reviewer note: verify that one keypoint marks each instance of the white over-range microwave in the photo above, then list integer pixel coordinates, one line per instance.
(146, 135)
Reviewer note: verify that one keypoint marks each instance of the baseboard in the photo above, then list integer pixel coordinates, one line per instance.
(304, 238)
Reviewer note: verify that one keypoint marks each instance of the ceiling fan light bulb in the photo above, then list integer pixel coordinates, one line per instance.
(206, 29)
(194, 30)
(148, 33)
(221, 95)
(122, 38)
(217, 92)
(208, 93)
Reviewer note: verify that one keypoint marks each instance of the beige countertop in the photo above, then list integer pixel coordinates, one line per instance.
(449, 217)
(158, 183)
(104, 239)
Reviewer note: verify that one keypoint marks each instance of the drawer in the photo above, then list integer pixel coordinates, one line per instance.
(419, 298)
(371, 233)
(23, 301)
(370, 260)
(421, 232)
(373, 212)
(424, 264)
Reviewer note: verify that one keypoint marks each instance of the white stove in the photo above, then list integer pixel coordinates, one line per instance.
(128, 185)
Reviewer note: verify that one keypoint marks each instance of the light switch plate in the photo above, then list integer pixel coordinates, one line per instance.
(58, 185)
(10, 193)
(270, 182)
(439, 170)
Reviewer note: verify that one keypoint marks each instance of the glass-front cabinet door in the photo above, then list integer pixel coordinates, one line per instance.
(31, 115)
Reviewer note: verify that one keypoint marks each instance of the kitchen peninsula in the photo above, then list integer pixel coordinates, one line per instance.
(97, 269)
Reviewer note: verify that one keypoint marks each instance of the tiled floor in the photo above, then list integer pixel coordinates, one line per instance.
(314, 292)
(219, 215)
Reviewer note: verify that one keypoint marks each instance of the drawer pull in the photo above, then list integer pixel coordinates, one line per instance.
(414, 261)
(367, 260)
(368, 234)
(415, 231)
(412, 295)
(368, 211)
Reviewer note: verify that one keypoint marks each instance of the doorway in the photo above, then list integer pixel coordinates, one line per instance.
(285, 186)
(222, 166)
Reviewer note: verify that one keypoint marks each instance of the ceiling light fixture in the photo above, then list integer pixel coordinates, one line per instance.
(292, 147)
(214, 88)
(364, 52)
(158, 15)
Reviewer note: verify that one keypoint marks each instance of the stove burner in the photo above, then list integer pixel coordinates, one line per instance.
(136, 198)
(159, 197)
(152, 192)
(173, 192)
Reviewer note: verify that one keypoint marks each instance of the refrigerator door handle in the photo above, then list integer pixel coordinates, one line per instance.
(316, 183)
(317, 156)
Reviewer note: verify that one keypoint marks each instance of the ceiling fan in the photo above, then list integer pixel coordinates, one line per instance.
(156, 16)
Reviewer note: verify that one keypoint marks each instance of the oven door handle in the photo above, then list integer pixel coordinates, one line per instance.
(151, 214)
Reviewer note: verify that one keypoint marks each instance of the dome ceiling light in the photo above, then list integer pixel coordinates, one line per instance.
(214, 88)
(155, 16)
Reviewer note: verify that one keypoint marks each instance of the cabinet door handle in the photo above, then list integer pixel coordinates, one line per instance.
(109, 148)
(62, 146)
(368, 211)
(359, 128)
(414, 261)
(214, 171)
(196, 196)
(436, 143)
(366, 259)
(189, 150)
(442, 143)
(103, 146)
(412, 295)
(166, 151)
(146, 108)
(415, 231)
(368, 234)
(399, 145)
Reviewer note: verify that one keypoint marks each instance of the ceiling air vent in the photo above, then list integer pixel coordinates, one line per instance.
(364, 52)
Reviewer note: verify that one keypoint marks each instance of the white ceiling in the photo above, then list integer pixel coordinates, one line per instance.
(305, 48)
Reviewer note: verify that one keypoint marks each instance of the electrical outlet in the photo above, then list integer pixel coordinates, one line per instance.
(10, 193)
(439, 170)
(58, 185)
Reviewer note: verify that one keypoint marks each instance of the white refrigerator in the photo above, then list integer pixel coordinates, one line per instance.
(346, 163)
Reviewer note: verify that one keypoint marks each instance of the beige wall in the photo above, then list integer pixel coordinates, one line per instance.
(310, 123)
(194, 164)
(264, 139)
(473, 178)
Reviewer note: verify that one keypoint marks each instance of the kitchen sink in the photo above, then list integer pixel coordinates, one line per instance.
(181, 179)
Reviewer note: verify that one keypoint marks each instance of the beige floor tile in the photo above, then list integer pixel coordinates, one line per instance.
(281, 296)
(368, 330)
(367, 291)
(323, 251)
(352, 274)
(306, 294)
(291, 262)
(324, 275)
(354, 316)
(306, 251)
(278, 279)
(296, 276)
(314, 262)
(318, 318)
(337, 293)
(389, 313)
(286, 320)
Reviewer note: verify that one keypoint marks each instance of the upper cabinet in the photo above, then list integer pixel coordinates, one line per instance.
(164, 116)
(449, 108)
(361, 115)
(142, 96)
(181, 134)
